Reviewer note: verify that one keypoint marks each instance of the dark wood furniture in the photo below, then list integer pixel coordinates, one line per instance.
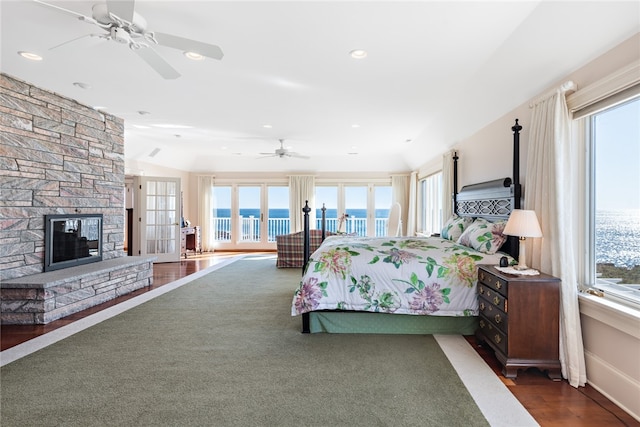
(190, 240)
(519, 320)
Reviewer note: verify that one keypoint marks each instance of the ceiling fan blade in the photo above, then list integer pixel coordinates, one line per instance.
(188, 45)
(122, 9)
(296, 155)
(77, 15)
(156, 62)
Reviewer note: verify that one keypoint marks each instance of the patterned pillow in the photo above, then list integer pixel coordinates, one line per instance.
(454, 227)
(484, 236)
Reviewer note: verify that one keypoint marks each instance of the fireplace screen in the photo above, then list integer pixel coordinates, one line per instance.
(72, 240)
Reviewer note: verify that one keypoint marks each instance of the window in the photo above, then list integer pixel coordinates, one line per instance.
(367, 207)
(615, 203)
(430, 217)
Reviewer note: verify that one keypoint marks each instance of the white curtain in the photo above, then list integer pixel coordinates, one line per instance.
(412, 209)
(447, 185)
(551, 182)
(400, 194)
(205, 212)
(301, 188)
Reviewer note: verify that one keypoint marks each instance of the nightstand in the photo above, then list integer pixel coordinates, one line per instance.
(519, 319)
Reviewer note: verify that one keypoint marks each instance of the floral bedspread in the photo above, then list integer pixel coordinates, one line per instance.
(405, 275)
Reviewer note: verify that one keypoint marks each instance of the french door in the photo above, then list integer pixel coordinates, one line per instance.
(158, 218)
(249, 216)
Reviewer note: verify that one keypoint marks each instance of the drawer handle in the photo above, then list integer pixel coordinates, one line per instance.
(481, 276)
(497, 339)
(488, 293)
(482, 323)
(481, 290)
(498, 318)
(482, 306)
(496, 300)
(498, 284)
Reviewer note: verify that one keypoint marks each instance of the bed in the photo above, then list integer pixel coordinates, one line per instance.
(411, 285)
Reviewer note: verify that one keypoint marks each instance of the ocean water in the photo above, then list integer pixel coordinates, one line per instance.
(284, 213)
(618, 237)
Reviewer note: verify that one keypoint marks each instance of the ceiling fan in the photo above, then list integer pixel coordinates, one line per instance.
(123, 25)
(283, 152)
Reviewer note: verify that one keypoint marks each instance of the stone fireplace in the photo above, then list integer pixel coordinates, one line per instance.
(59, 157)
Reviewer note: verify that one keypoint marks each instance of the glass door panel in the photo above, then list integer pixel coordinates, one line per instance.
(327, 195)
(250, 214)
(222, 214)
(278, 221)
(382, 201)
(159, 217)
(355, 199)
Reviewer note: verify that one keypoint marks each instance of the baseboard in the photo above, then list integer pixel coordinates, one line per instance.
(615, 385)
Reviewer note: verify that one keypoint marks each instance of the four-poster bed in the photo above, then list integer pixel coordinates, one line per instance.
(421, 285)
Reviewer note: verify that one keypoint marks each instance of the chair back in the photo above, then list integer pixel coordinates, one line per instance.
(394, 222)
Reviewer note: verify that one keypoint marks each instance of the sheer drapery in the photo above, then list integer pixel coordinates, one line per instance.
(400, 194)
(447, 185)
(205, 212)
(551, 183)
(301, 188)
(412, 209)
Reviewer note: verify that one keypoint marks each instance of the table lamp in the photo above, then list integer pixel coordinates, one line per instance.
(522, 223)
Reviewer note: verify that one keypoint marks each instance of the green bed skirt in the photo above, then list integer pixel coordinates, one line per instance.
(346, 322)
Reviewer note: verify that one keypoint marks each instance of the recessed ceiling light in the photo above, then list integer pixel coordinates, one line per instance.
(82, 85)
(355, 126)
(194, 55)
(141, 127)
(358, 53)
(408, 141)
(30, 55)
(267, 126)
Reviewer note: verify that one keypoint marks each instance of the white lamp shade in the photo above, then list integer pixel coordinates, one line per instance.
(523, 223)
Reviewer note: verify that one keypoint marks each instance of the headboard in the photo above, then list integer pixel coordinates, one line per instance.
(492, 200)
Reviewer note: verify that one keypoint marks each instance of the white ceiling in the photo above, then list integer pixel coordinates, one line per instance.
(435, 73)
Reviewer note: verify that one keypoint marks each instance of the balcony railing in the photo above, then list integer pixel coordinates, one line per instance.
(249, 227)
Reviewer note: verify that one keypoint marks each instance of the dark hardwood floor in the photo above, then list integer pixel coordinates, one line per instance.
(551, 403)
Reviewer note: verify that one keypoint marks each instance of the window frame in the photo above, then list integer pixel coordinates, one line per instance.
(621, 294)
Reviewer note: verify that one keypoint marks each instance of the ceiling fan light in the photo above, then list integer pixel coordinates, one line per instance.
(195, 56)
(30, 55)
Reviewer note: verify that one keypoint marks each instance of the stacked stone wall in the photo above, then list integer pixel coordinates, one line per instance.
(57, 156)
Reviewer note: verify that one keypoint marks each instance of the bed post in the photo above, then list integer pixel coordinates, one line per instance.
(324, 222)
(455, 182)
(517, 193)
(306, 209)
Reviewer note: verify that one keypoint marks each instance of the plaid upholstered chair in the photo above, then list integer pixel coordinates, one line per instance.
(291, 247)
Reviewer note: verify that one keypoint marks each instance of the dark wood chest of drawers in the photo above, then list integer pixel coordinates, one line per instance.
(519, 319)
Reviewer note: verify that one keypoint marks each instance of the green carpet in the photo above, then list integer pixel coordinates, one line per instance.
(223, 350)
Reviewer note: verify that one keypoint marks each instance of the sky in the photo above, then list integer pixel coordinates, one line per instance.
(617, 133)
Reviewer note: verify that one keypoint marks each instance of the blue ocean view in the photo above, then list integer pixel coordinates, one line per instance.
(618, 238)
(284, 213)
